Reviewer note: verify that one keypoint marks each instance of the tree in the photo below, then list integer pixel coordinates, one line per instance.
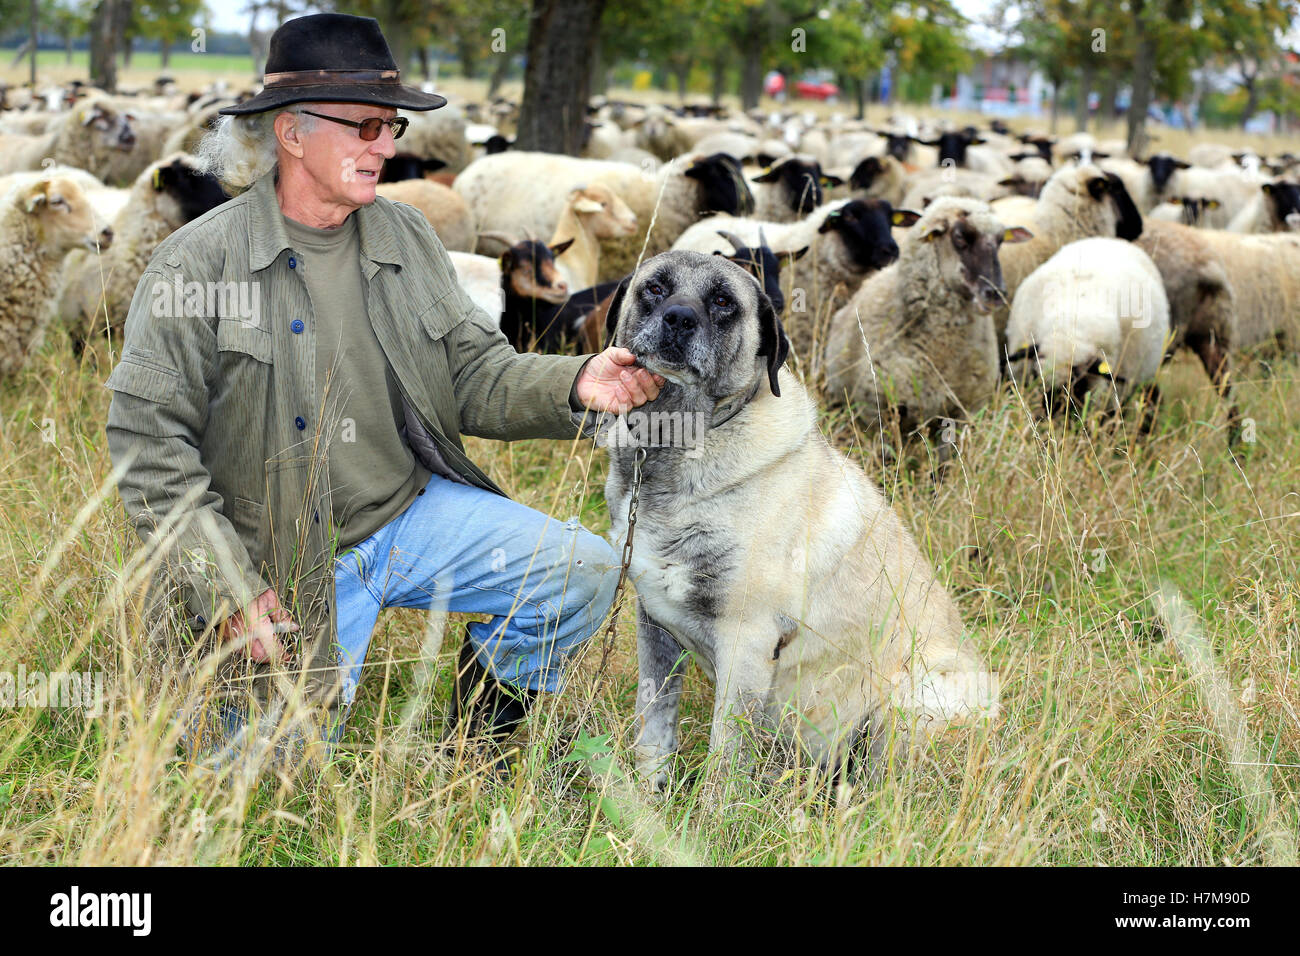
(1248, 34)
(104, 34)
(167, 21)
(561, 43)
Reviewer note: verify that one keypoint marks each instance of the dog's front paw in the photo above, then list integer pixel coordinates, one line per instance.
(653, 775)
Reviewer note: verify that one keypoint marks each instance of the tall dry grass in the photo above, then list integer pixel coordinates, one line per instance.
(1115, 744)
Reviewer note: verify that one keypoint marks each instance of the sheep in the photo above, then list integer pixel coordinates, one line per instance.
(1232, 190)
(1148, 182)
(918, 337)
(847, 241)
(1189, 210)
(405, 166)
(962, 150)
(876, 177)
(439, 134)
(95, 291)
(1076, 203)
(1273, 209)
(1210, 155)
(515, 290)
(40, 221)
(445, 209)
(591, 214)
(518, 192)
(1261, 270)
(93, 137)
(788, 190)
(1093, 319)
(951, 181)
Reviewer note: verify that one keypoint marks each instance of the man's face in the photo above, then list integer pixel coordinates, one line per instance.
(344, 167)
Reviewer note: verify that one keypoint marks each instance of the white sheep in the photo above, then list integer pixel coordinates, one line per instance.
(1078, 202)
(1274, 209)
(95, 290)
(1092, 319)
(94, 136)
(525, 192)
(591, 214)
(40, 222)
(918, 337)
(445, 209)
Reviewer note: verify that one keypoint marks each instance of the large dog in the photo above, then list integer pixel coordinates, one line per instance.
(759, 548)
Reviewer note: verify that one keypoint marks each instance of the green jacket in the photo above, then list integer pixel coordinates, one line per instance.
(213, 421)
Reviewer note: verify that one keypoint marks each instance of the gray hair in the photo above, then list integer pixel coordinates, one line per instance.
(241, 149)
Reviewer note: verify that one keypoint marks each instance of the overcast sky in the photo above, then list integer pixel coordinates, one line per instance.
(226, 16)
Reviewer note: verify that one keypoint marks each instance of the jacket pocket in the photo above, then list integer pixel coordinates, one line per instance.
(443, 316)
(144, 378)
(249, 520)
(236, 335)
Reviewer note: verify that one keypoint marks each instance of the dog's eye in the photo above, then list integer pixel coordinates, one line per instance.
(721, 301)
(654, 288)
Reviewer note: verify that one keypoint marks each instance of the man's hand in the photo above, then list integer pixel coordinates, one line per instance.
(613, 382)
(265, 612)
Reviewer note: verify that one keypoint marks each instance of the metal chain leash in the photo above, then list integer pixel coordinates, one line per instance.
(637, 461)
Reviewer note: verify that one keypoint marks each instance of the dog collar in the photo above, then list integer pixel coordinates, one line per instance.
(729, 408)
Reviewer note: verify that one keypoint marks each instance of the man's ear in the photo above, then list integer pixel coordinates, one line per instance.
(288, 134)
(772, 342)
(611, 317)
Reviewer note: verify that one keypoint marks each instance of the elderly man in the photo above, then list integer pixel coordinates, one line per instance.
(297, 370)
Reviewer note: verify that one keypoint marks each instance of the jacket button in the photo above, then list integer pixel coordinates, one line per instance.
(297, 325)
(293, 263)
(300, 422)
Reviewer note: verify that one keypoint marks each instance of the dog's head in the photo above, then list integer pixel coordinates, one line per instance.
(700, 321)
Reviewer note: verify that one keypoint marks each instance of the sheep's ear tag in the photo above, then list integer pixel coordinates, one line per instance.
(157, 180)
(1103, 368)
(1017, 234)
(1211, 204)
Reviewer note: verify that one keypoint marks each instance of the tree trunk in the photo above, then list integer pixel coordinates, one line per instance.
(499, 73)
(166, 49)
(32, 71)
(1085, 90)
(128, 47)
(468, 56)
(121, 28)
(719, 78)
(103, 46)
(1056, 104)
(561, 41)
(682, 73)
(1143, 63)
(1252, 96)
(860, 89)
(422, 54)
(751, 82)
(1106, 108)
(67, 49)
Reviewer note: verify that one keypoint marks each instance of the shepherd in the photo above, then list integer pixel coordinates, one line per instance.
(302, 469)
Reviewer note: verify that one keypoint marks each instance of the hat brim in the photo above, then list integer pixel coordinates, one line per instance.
(398, 97)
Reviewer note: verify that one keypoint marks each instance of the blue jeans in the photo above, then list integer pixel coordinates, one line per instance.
(547, 584)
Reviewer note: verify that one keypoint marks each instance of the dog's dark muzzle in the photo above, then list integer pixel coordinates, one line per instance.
(677, 324)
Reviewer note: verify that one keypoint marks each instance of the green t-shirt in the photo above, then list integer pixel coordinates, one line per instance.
(373, 474)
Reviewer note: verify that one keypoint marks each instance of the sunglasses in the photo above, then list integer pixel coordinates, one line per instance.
(369, 128)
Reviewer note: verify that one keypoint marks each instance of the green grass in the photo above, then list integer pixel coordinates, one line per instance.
(1052, 537)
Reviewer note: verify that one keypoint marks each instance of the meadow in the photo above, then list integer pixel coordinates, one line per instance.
(1139, 597)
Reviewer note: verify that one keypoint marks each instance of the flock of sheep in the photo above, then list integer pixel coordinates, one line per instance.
(915, 266)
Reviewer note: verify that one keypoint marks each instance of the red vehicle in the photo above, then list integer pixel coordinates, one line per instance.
(816, 90)
(773, 83)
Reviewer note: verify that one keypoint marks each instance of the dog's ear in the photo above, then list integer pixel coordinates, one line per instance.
(772, 342)
(611, 317)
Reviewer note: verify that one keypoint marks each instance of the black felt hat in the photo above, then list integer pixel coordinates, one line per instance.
(333, 58)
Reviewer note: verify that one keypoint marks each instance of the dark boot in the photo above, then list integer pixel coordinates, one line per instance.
(484, 706)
